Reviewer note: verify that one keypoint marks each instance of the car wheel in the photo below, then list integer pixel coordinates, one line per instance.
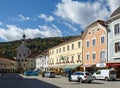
(106, 78)
(113, 79)
(80, 80)
(94, 77)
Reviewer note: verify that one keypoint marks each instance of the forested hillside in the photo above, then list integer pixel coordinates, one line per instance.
(9, 48)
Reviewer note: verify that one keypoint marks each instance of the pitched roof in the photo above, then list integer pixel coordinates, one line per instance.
(68, 41)
(116, 12)
(6, 57)
(103, 23)
(115, 15)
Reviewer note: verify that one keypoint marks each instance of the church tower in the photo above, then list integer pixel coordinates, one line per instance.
(22, 53)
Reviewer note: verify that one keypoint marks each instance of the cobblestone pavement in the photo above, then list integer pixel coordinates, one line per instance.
(62, 82)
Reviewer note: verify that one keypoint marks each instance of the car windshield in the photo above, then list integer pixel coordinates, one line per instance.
(88, 74)
(52, 72)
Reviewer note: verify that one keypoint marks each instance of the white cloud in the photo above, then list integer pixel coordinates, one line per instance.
(23, 18)
(82, 13)
(52, 31)
(70, 26)
(45, 17)
(15, 33)
(20, 17)
(113, 4)
(10, 33)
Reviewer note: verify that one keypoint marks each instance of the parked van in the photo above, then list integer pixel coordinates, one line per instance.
(107, 74)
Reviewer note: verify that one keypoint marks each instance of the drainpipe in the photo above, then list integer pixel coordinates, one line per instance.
(82, 53)
(108, 30)
(107, 27)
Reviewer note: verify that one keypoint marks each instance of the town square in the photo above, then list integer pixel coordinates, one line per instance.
(60, 44)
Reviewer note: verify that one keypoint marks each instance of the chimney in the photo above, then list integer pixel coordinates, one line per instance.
(82, 32)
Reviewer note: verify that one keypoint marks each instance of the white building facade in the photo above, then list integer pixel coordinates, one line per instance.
(42, 62)
(114, 40)
(31, 63)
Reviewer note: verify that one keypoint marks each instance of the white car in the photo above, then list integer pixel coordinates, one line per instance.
(82, 77)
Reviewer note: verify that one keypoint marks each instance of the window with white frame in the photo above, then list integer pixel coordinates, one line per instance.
(59, 60)
(87, 43)
(56, 50)
(72, 46)
(102, 56)
(117, 29)
(67, 58)
(78, 58)
(59, 50)
(87, 56)
(94, 56)
(102, 39)
(63, 49)
(79, 44)
(68, 48)
(94, 42)
(72, 58)
(117, 47)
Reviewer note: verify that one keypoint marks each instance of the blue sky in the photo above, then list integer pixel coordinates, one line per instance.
(50, 18)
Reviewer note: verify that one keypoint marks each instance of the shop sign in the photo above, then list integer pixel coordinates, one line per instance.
(113, 64)
(101, 65)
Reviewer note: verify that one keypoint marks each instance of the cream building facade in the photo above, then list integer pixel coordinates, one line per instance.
(7, 64)
(67, 55)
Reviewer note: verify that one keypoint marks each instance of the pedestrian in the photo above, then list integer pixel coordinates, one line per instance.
(69, 75)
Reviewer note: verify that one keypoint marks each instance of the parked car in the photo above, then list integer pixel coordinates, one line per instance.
(49, 74)
(82, 77)
(31, 73)
(106, 74)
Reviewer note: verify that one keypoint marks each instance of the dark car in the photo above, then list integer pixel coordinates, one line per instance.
(31, 73)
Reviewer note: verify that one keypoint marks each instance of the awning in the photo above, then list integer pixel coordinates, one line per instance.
(73, 66)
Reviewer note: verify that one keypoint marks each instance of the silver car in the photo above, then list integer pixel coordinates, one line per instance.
(49, 74)
(82, 77)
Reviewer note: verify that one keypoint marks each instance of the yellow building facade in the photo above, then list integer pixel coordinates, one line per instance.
(67, 55)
